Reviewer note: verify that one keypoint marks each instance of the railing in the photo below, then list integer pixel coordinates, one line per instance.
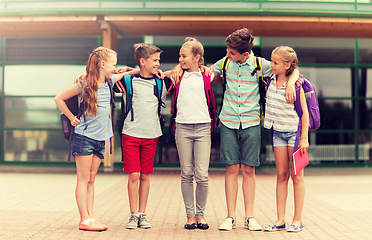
(343, 8)
(334, 153)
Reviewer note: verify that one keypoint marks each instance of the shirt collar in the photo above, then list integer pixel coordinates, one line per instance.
(249, 60)
(187, 74)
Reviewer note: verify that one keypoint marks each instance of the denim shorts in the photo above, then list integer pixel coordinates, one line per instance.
(240, 145)
(284, 139)
(82, 146)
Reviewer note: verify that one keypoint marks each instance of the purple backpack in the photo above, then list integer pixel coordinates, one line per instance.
(312, 106)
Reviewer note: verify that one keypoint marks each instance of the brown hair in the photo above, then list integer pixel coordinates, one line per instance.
(90, 82)
(144, 50)
(196, 48)
(288, 55)
(241, 40)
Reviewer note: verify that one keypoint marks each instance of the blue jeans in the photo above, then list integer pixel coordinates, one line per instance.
(83, 146)
(284, 139)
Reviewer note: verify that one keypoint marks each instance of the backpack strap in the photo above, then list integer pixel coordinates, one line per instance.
(112, 100)
(159, 84)
(261, 85)
(174, 90)
(210, 100)
(225, 64)
(129, 95)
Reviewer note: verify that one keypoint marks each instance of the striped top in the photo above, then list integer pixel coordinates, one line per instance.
(279, 115)
(240, 103)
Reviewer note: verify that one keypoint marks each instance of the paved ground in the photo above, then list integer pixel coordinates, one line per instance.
(338, 205)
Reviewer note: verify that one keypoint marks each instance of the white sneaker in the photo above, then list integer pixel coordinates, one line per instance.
(142, 222)
(252, 224)
(228, 224)
(133, 221)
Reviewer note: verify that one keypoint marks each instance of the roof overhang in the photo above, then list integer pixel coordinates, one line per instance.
(166, 25)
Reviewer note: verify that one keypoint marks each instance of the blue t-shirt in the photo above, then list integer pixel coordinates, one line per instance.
(100, 127)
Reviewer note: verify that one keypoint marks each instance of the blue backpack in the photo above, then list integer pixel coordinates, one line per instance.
(127, 106)
(78, 110)
(312, 106)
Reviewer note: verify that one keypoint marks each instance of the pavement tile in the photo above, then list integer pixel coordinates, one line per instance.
(37, 205)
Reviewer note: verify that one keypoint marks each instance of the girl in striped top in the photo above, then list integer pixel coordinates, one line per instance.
(284, 120)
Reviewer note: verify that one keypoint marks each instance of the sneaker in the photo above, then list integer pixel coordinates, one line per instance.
(252, 224)
(295, 228)
(142, 222)
(133, 221)
(228, 224)
(273, 227)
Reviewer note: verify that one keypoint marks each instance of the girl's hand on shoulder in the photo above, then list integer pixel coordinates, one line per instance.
(80, 77)
(176, 73)
(206, 70)
(290, 94)
(304, 145)
(160, 74)
(123, 70)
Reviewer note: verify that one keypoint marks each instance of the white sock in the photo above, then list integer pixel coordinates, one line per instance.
(87, 221)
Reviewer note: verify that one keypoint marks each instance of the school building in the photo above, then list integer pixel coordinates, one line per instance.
(44, 45)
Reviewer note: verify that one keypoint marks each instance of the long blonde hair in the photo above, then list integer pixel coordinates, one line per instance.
(90, 82)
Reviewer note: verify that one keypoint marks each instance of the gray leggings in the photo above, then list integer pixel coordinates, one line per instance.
(194, 148)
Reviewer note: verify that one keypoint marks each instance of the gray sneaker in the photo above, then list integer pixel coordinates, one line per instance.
(142, 222)
(133, 221)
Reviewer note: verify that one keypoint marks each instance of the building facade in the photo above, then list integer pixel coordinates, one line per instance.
(44, 45)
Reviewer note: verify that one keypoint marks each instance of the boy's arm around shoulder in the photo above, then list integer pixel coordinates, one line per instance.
(290, 93)
(304, 144)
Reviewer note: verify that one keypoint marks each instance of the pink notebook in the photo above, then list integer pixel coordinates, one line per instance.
(300, 161)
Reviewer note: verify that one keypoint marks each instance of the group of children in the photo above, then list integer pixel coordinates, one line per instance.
(194, 120)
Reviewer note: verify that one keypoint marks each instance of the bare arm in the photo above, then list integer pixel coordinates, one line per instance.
(304, 144)
(176, 73)
(60, 98)
(119, 76)
(290, 93)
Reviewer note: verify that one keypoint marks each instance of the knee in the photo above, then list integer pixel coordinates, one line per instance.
(201, 177)
(283, 177)
(144, 177)
(133, 177)
(232, 169)
(299, 178)
(187, 173)
(248, 171)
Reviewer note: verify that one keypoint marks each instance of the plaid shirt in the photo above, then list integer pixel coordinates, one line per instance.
(240, 103)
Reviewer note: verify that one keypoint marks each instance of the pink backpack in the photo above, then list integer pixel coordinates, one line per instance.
(211, 103)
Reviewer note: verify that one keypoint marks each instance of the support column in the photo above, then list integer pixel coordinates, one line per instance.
(109, 40)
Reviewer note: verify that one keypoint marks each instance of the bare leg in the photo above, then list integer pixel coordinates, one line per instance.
(133, 191)
(144, 189)
(249, 187)
(299, 195)
(231, 188)
(282, 169)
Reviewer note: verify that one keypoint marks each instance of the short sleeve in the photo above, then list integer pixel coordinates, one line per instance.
(78, 85)
(266, 67)
(217, 68)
